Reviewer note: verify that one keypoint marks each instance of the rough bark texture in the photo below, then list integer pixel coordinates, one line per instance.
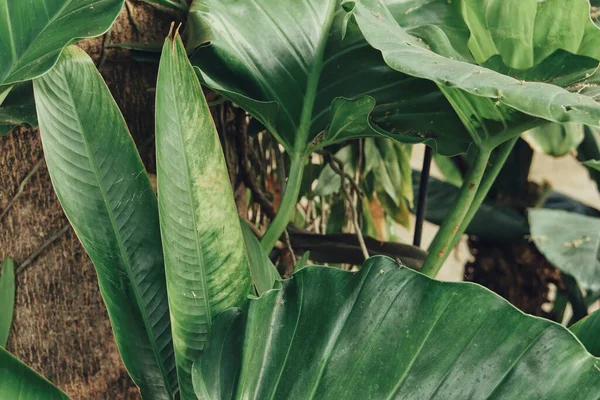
(60, 324)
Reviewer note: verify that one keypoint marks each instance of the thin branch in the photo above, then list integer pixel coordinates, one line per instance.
(422, 201)
(21, 187)
(56, 235)
(359, 235)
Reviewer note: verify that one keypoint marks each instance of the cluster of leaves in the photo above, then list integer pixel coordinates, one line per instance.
(176, 270)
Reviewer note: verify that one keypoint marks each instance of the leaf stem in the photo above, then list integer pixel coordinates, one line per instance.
(442, 243)
(288, 203)
(422, 201)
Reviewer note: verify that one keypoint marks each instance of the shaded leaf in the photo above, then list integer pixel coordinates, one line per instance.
(33, 33)
(18, 381)
(588, 332)
(413, 337)
(17, 108)
(205, 260)
(555, 140)
(264, 274)
(571, 242)
(104, 190)
(7, 298)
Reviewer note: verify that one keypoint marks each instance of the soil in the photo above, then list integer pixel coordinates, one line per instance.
(60, 326)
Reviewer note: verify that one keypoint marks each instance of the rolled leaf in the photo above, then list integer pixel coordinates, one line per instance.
(104, 190)
(7, 298)
(264, 274)
(205, 258)
(556, 140)
(33, 33)
(390, 332)
(18, 381)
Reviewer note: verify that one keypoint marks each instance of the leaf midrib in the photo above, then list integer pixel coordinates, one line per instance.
(124, 255)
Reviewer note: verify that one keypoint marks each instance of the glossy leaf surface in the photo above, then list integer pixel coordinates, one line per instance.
(205, 258)
(104, 190)
(33, 32)
(588, 332)
(571, 242)
(390, 332)
(7, 298)
(17, 108)
(18, 381)
(307, 85)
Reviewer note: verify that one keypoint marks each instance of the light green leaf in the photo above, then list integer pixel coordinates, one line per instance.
(318, 89)
(330, 181)
(555, 140)
(7, 298)
(18, 381)
(264, 274)
(33, 33)
(588, 332)
(595, 164)
(104, 190)
(569, 241)
(205, 259)
(449, 169)
(390, 332)
(17, 108)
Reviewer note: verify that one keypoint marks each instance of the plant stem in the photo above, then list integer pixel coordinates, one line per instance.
(422, 202)
(288, 203)
(442, 243)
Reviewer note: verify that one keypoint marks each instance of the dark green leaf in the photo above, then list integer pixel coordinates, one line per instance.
(33, 33)
(317, 89)
(7, 298)
(390, 332)
(589, 149)
(17, 108)
(18, 381)
(104, 190)
(588, 332)
(205, 260)
(264, 274)
(569, 241)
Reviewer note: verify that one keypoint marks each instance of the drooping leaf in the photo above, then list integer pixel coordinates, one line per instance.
(487, 101)
(205, 259)
(390, 332)
(555, 140)
(264, 274)
(104, 190)
(33, 33)
(588, 332)
(7, 298)
(17, 108)
(571, 242)
(323, 83)
(18, 381)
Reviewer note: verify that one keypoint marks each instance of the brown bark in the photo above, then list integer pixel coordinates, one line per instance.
(61, 327)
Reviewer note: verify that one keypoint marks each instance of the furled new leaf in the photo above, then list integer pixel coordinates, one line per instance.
(7, 298)
(588, 332)
(33, 33)
(555, 140)
(425, 45)
(205, 258)
(17, 108)
(264, 274)
(315, 81)
(18, 381)
(390, 332)
(104, 190)
(569, 241)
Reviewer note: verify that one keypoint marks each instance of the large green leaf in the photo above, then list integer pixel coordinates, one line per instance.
(18, 381)
(485, 100)
(569, 241)
(104, 190)
(205, 258)
(17, 108)
(33, 33)
(556, 140)
(588, 332)
(306, 84)
(7, 298)
(390, 332)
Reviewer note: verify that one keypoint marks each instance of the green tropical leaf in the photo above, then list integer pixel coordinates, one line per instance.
(205, 260)
(324, 83)
(17, 108)
(104, 190)
(589, 149)
(569, 241)
(33, 33)
(556, 140)
(487, 101)
(7, 298)
(18, 381)
(390, 332)
(264, 274)
(588, 332)
(594, 164)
